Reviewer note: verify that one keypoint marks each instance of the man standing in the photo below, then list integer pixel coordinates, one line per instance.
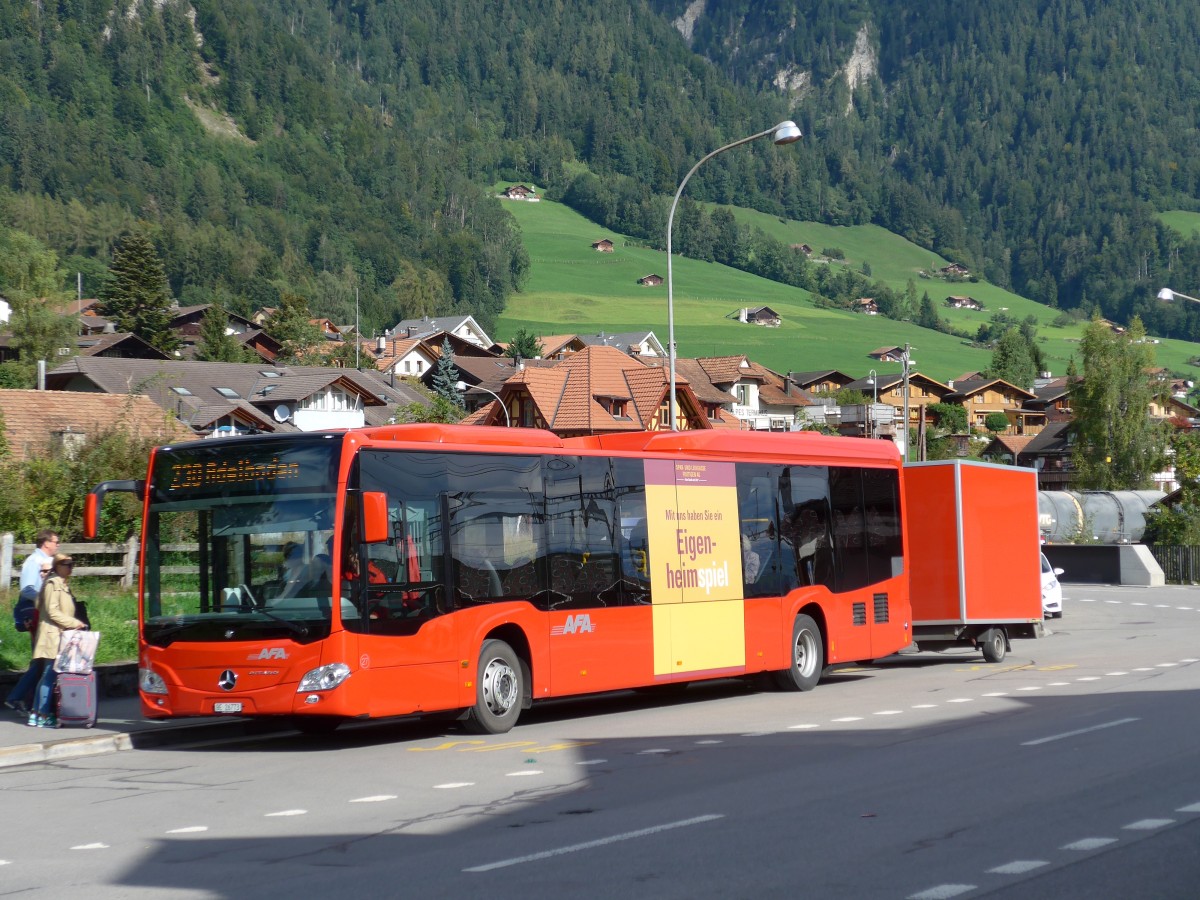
(32, 575)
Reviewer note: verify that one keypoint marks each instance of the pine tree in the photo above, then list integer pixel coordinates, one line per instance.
(136, 296)
(445, 376)
(291, 325)
(1012, 361)
(216, 344)
(524, 345)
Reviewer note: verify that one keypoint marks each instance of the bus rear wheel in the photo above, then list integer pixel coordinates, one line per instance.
(499, 688)
(808, 657)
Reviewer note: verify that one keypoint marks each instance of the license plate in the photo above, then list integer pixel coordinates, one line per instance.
(227, 707)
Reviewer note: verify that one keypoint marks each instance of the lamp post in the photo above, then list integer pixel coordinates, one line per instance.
(873, 382)
(462, 386)
(907, 360)
(784, 133)
(1168, 295)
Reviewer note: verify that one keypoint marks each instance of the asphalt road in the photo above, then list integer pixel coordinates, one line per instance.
(1068, 770)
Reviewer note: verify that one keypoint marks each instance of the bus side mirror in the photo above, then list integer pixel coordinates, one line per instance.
(95, 501)
(375, 517)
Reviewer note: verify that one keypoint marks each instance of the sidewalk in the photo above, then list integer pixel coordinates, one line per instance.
(119, 726)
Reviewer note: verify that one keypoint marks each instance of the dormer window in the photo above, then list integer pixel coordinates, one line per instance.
(619, 409)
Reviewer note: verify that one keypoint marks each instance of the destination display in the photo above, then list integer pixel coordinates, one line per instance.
(252, 468)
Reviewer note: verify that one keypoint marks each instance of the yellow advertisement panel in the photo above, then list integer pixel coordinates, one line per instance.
(695, 566)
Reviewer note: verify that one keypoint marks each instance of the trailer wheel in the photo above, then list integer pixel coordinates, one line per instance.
(808, 657)
(498, 690)
(993, 644)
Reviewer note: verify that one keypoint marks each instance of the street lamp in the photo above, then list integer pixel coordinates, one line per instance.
(1169, 295)
(871, 380)
(783, 133)
(907, 360)
(462, 386)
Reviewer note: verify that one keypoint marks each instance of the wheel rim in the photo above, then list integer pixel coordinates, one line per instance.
(806, 653)
(500, 687)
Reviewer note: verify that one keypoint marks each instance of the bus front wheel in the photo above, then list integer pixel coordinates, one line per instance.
(498, 690)
(808, 657)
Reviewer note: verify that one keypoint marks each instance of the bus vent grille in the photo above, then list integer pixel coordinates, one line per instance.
(860, 614)
(881, 609)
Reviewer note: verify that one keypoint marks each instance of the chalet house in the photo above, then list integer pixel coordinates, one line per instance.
(716, 400)
(41, 422)
(118, 345)
(217, 399)
(867, 306)
(650, 280)
(757, 315)
(802, 248)
(429, 330)
(986, 396)
(489, 372)
(823, 381)
(1053, 399)
(598, 390)
(887, 354)
(954, 270)
(963, 303)
(1006, 449)
(519, 192)
(560, 346)
(604, 245)
(762, 400)
(638, 344)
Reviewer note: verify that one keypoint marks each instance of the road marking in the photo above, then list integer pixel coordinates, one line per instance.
(1148, 824)
(562, 745)
(589, 845)
(507, 745)
(960, 700)
(1060, 684)
(1086, 600)
(5, 862)
(374, 798)
(95, 846)
(190, 829)
(1139, 604)
(1162, 606)
(524, 772)
(710, 741)
(1145, 669)
(1108, 674)
(1035, 687)
(1184, 607)
(804, 726)
(1089, 678)
(287, 812)
(1088, 844)
(655, 750)
(451, 785)
(1059, 737)
(591, 762)
(1167, 665)
(758, 733)
(942, 892)
(1191, 807)
(889, 712)
(1019, 867)
(1189, 660)
(849, 719)
(1113, 602)
(925, 706)
(997, 694)
(448, 745)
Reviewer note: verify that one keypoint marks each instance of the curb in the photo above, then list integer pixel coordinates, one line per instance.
(166, 736)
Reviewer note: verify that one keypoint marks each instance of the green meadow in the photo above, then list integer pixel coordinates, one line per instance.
(573, 289)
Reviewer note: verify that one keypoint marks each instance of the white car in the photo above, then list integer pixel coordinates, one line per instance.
(1051, 590)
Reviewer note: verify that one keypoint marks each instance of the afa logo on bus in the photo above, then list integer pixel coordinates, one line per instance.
(577, 624)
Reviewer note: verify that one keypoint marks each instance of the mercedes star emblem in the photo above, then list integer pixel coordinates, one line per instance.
(227, 680)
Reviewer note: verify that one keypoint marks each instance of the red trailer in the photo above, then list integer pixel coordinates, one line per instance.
(973, 532)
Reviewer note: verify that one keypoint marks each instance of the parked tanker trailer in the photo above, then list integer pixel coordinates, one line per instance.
(1110, 517)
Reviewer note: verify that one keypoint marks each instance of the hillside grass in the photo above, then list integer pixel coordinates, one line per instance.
(572, 289)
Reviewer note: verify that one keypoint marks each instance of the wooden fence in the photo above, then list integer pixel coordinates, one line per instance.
(97, 560)
(1180, 565)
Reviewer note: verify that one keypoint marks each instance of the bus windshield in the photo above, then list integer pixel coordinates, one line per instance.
(238, 542)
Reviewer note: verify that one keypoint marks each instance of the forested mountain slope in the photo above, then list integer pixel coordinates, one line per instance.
(1032, 140)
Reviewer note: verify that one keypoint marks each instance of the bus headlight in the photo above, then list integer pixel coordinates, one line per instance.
(151, 682)
(324, 678)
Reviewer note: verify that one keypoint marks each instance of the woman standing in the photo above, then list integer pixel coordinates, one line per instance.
(56, 608)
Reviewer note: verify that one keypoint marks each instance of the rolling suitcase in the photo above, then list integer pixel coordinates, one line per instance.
(76, 700)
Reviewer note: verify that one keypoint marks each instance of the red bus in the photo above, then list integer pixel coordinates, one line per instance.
(504, 566)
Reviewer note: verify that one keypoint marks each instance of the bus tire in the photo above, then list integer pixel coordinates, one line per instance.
(808, 657)
(498, 690)
(993, 644)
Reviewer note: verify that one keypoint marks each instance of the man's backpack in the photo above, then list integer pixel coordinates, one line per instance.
(25, 614)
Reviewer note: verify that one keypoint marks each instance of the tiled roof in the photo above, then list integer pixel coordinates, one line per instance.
(727, 369)
(31, 418)
(702, 386)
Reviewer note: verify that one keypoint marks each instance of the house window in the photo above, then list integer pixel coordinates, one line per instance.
(230, 393)
(182, 391)
(329, 400)
(270, 373)
(742, 392)
(714, 413)
(618, 409)
(420, 366)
